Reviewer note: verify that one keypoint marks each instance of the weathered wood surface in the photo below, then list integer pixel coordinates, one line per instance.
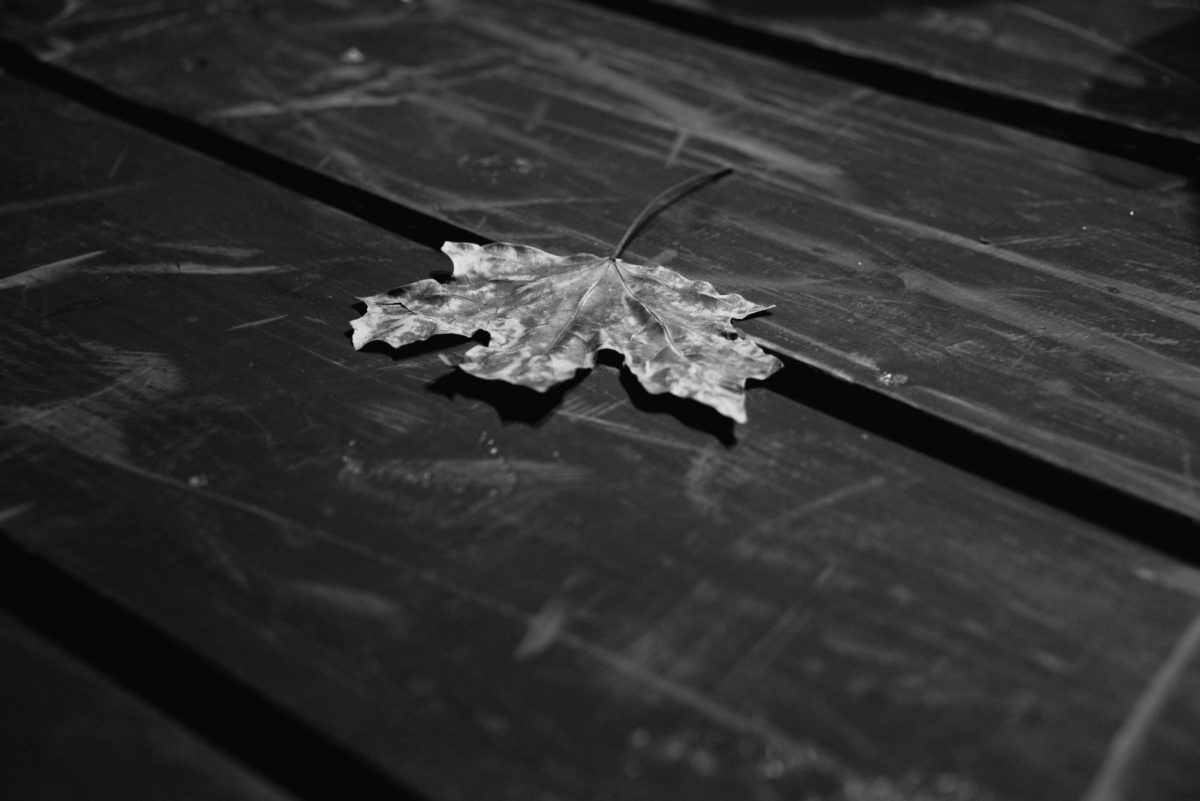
(607, 602)
(1033, 291)
(1133, 62)
(68, 733)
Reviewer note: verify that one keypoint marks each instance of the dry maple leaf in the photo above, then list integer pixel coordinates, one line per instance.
(549, 315)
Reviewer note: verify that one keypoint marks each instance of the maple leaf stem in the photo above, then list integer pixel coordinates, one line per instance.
(664, 199)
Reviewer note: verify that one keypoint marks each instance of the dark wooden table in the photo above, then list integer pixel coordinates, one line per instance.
(952, 556)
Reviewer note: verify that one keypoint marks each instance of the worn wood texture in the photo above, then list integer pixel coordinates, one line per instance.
(68, 733)
(1033, 291)
(1133, 62)
(489, 595)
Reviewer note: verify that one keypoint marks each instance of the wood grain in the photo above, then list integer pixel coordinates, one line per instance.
(1029, 290)
(1132, 62)
(495, 594)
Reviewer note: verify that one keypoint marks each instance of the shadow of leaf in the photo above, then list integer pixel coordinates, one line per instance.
(514, 404)
(693, 414)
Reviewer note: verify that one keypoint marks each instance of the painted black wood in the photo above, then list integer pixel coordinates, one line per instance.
(1130, 62)
(1031, 291)
(486, 593)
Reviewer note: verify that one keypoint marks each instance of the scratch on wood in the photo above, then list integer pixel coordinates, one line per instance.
(347, 600)
(683, 117)
(629, 432)
(228, 251)
(1115, 776)
(1174, 306)
(542, 629)
(676, 147)
(13, 512)
(297, 533)
(92, 424)
(856, 359)
(536, 117)
(767, 648)
(1103, 42)
(795, 754)
(112, 171)
(808, 507)
(397, 418)
(255, 323)
(1178, 577)
(67, 198)
(69, 9)
(125, 35)
(1101, 343)
(49, 273)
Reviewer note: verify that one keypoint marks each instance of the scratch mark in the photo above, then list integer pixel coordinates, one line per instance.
(255, 323)
(856, 359)
(370, 87)
(683, 116)
(13, 512)
(359, 22)
(347, 600)
(1175, 306)
(130, 34)
(1180, 578)
(1114, 777)
(502, 475)
(803, 510)
(228, 251)
(49, 273)
(46, 273)
(677, 147)
(464, 203)
(70, 8)
(768, 647)
(400, 419)
(698, 488)
(596, 410)
(629, 432)
(1101, 41)
(92, 424)
(537, 116)
(112, 171)
(796, 753)
(192, 268)
(106, 14)
(542, 629)
(328, 102)
(666, 257)
(1137, 358)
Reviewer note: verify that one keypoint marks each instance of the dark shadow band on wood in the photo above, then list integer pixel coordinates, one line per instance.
(1108, 507)
(1095, 133)
(1111, 508)
(194, 692)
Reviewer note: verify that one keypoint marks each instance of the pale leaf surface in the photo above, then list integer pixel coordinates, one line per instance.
(549, 316)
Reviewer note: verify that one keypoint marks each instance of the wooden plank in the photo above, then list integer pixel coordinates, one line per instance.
(1032, 291)
(68, 733)
(485, 596)
(1132, 62)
